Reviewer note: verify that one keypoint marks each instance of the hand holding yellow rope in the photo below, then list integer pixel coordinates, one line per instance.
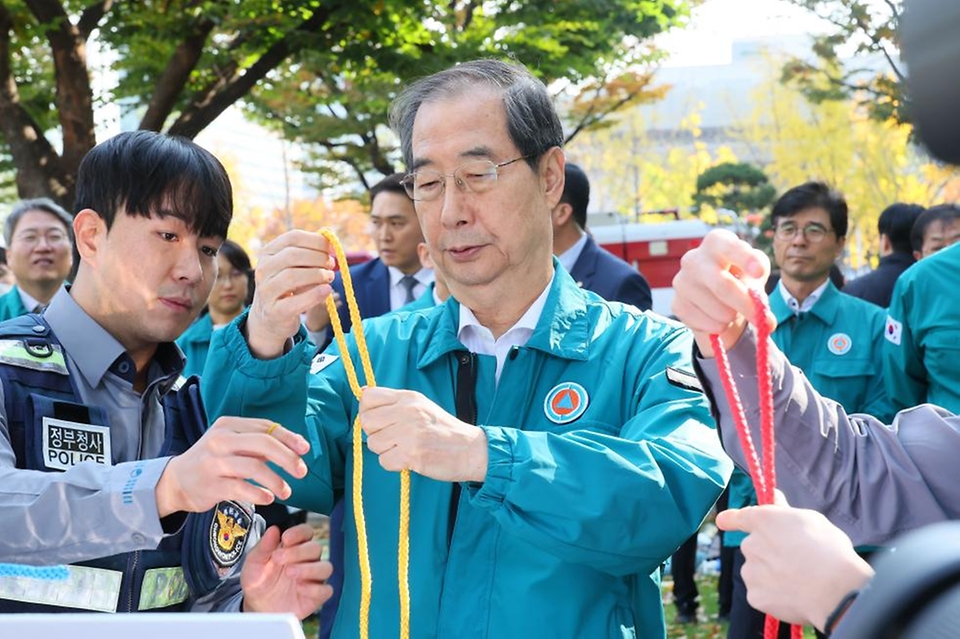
(403, 556)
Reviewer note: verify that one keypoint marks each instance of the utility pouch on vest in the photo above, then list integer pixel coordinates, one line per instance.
(64, 434)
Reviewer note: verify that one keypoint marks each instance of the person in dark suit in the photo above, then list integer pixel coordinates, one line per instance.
(896, 255)
(593, 267)
(395, 277)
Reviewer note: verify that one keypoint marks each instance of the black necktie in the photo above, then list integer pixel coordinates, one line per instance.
(408, 282)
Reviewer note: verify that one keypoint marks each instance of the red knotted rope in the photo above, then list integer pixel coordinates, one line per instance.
(763, 472)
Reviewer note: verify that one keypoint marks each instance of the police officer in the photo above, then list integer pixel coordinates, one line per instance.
(560, 451)
(105, 457)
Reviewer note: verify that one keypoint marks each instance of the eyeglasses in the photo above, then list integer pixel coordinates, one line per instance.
(476, 176)
(32, 238)
(814, 233)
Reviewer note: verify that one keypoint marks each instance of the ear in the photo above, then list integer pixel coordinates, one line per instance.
(561, 214)
(841, 242)
(551, 175)
(88, 229)
(917, 255)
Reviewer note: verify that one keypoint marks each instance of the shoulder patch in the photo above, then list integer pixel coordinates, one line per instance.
(893, 331)
(228, 533)
(321, 361)
(683, 379)
(40, 356)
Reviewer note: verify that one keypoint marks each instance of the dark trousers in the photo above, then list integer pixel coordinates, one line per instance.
(725, 583)
(682, 567)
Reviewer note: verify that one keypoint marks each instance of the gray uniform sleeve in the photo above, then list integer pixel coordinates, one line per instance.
(87, 512)
(872, 480)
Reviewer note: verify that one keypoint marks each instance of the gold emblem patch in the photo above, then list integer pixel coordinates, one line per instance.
(228, 533)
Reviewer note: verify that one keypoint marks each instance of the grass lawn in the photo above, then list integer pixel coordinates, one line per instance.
(707, 628)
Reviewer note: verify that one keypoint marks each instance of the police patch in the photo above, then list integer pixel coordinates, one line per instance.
(839, 344)
(683, 379)
(893, 331)
(565, 402)
(321, 361)
(228, 533)
(66, 444)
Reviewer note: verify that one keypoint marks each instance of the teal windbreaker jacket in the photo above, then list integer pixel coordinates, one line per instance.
(565, 537)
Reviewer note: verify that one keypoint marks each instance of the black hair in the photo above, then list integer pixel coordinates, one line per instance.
(532, 121)
(943, 213)
(144, 174)
(576, 192)
(390, 184)
(239, 260)
(896, 222)
(813, 195)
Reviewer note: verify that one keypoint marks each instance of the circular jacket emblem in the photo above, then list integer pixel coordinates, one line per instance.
(228, 533)
(839, 344)
(565, 402)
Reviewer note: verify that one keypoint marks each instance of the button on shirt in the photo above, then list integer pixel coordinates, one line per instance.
(479, 339)
(104, 374)
(398, 292)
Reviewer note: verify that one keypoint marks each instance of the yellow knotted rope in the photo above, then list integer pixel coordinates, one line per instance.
(403, 556)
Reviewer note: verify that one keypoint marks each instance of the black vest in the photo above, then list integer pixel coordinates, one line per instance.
(38, 389)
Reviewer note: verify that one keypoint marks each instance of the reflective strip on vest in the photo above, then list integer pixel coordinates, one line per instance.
(46, 357)
(85, 589)
(163, 587)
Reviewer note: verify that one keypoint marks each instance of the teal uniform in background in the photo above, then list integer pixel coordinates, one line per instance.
(195, 342)
(603, 459)
(11, 305)
(921, 355)
(838, 345)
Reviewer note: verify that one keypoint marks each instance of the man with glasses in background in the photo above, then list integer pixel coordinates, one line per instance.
(835, 338)
(39, 253)
(559, 448)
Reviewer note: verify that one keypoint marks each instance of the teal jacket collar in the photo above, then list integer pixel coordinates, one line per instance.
(12, 303)
(562, 331)
(826, 309)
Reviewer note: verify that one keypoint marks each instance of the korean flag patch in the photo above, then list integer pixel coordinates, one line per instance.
(893, 331)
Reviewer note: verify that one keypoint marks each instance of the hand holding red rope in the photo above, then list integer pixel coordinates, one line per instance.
(762, 471)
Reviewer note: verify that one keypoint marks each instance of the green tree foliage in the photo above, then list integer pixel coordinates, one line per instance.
(737, 186)
(586, 51)
(322, 71)
(863, 29)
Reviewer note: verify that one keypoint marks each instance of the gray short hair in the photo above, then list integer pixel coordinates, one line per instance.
(532, 121)
(23, 207)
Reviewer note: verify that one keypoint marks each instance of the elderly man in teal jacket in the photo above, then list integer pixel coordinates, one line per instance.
(559, 449)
